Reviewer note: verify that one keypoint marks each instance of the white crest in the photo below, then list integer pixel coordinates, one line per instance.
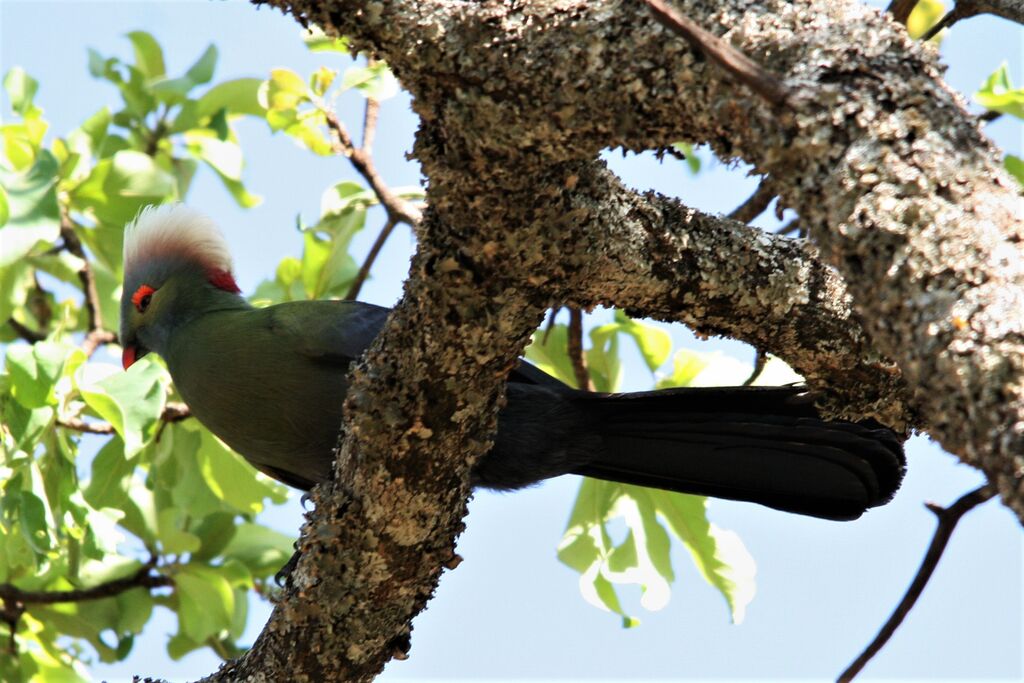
(174, 229)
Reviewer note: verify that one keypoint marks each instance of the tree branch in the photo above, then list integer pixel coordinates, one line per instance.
(947, 521)
(901, 9)
(745, 70)
(364, 270)
(26, 333)
(173, 412)
(17, 601)
(575, 338)
(96, 334)
(755, 204)
(398, 209)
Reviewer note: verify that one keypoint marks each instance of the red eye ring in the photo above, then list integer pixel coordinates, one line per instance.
(141, 297)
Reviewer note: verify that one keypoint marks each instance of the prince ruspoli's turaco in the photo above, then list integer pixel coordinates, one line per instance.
(270, 382)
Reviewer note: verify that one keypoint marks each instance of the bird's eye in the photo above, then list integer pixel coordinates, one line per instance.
(141, 298)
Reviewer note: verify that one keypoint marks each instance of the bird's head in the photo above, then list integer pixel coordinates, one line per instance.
(176, 267)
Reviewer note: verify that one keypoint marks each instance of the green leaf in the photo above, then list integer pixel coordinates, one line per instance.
(130, 401)
(1013, 164)
(321, 80)
(692, 158)
(223, 156)
(173, 538)
(260, 548)
(149, 57)
(317, 41)
(239, 96)
(686, 365)
(925, 15)
(206, 603)
(21, 89)
(719, 554)
(374, 81)
(15, 283)
(214, 532)
(135, 607)
(34, 372)
(26, 425)
(998, 94)
(111, 475)
(655, 344)
(202, 71)
(232, 479)
(549, 351)
(34, 216)
(118, 187)
(284, 91)
(5, 207)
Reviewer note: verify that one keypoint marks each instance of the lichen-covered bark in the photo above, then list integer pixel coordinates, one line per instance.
(899, 189)
(892, 176)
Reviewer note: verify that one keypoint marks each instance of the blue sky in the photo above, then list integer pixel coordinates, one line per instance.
(511, 611)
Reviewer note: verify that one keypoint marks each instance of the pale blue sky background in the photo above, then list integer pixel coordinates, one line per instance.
(511, 611)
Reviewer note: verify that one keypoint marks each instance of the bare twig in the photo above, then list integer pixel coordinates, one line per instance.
(950, 18)
(173, 412)
(745, 70)
(397, 208)
(97, 335)
(370, 124)
(26, 333)
(92, 297)
(17, 601)
(755, 204)
(96, 338)
(760, 360)
(990, 116)
(550, 324)
(901, 9)
(364, 270)
(947, 519)
(579, 365)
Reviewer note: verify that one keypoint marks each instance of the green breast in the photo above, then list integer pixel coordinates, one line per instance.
(245, 380)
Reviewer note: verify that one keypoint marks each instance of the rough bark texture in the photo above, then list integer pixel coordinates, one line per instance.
(892, 177)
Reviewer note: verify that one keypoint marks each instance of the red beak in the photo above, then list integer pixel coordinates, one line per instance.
(128, 356)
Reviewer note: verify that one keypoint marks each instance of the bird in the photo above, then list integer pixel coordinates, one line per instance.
(270, 382)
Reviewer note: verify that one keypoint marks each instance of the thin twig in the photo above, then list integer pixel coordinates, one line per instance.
(26, 333)
(364, 270)
(755, 204)
(745, 70)
(16, 601)
(397, 208)
(579, 365)
(990, 116)
(96, 338)
(92, 297)
(950, 18)
(947, 521)
(173, 412)
(760, 360)
(550, 325)
(370, 124)
(901, 9)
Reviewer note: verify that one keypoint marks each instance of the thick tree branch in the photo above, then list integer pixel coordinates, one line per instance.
(887, 171)
(744, 69)
(947, 521)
